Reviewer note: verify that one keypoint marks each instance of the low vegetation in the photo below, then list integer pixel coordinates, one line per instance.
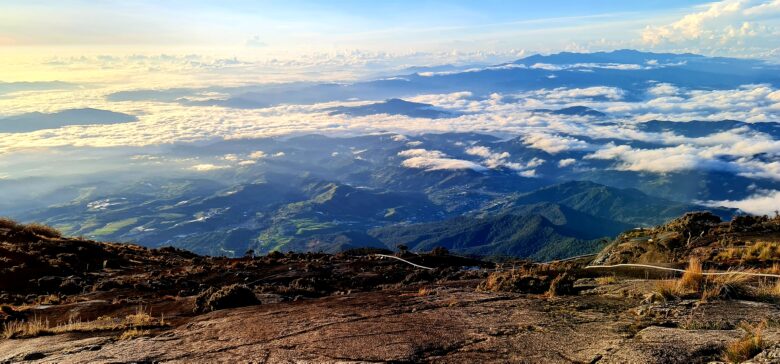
(748, 346)
(33, 228)
(735, 283)
(760, 251)
(135, 323)
(553, 279)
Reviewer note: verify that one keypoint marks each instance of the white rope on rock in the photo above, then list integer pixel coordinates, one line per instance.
(683, 270)
(403, 260)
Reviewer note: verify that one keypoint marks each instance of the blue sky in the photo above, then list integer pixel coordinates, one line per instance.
(392, 26)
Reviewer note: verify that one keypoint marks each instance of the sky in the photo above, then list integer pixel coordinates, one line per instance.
(35, 35)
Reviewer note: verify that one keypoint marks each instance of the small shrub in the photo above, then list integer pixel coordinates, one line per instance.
(747, 347)
(563, 284)
(515, 281)
(235, 295)
(43, 230)
(6, 223)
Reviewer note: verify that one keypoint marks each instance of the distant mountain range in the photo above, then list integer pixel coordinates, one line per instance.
(394, 107)
(630, 70)
(39, 121)
(361, 195)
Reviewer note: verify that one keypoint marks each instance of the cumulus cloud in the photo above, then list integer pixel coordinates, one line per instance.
(606, 92)
(719, 24)
(258, 154)
(661, 160)
(553, 144)
(422, 153)
(765, 202)
(207, 167)
(663, 89)
(498, 160)
(432, 160)
(566, 162)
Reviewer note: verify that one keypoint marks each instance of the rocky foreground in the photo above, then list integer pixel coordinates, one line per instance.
(70, 300)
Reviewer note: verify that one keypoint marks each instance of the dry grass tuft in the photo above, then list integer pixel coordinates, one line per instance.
(606, 280)
(43, 230)
(747, 347)
(667, 289)
(425, 291)
(693, 278)
(767, 290)
(6, 223)
(761, 251)
(133, 333)
(36, 327)
(31, 328)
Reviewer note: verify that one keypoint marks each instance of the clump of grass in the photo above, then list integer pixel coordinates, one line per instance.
(6, 223)
(37, 327)
(425, 291)
(606, 280)
(693, 278)
(761, 251)
(748, 346)
(31, 328)
(767, 290)
(34, 228)
(43, 230)
(666, 289)
(133, 333)
(734, 284)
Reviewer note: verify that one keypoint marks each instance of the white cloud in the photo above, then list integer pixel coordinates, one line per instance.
(553, 144)
(258, 154)
(566, 162)
(660, 160)
(761, 203)
(432, 160)
(497, 160)
(207, 167)
(421, 153)
(663, 89)
(719, 24)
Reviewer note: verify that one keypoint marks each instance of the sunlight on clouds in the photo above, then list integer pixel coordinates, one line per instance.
(725, 26)
(762, 203)
(433, 160)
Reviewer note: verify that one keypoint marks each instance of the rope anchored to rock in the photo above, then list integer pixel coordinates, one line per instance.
(403, 260)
